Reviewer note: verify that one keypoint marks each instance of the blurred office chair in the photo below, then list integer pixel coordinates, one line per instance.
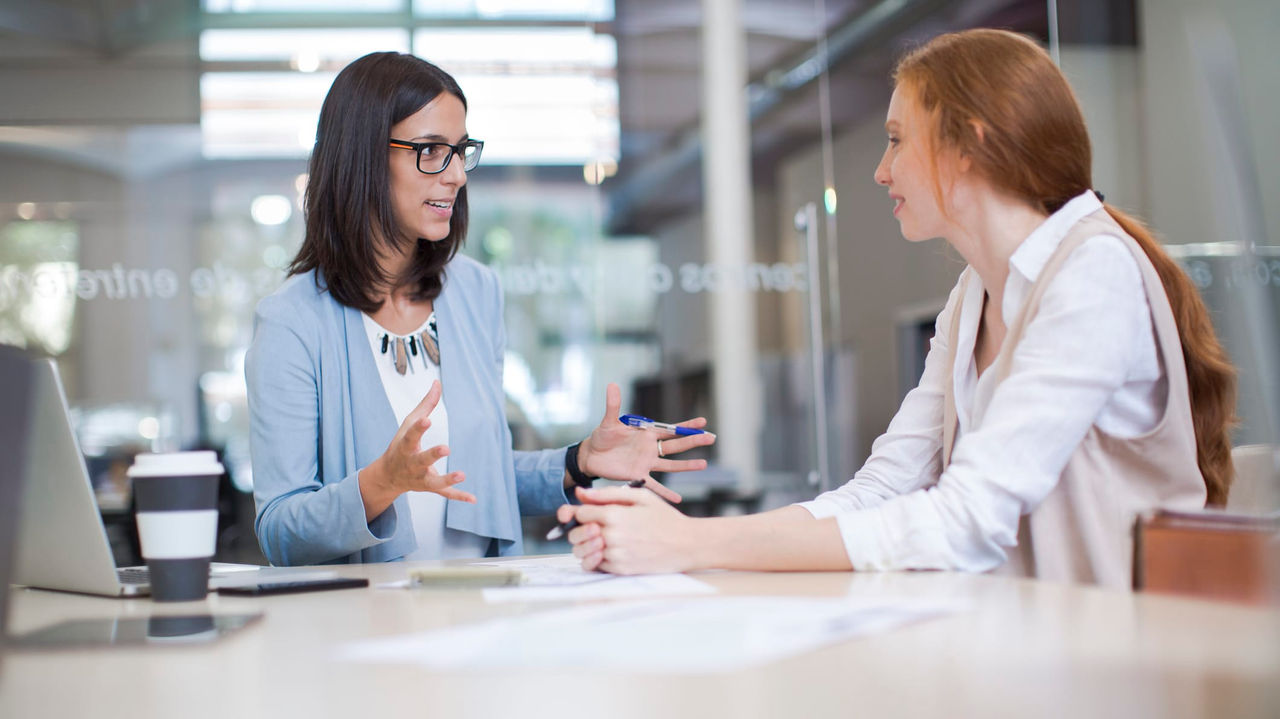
(1256, 488)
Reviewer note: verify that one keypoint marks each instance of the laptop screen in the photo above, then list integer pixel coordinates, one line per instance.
(16, 381)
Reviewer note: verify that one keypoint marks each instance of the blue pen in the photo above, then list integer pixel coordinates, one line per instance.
(635, 420)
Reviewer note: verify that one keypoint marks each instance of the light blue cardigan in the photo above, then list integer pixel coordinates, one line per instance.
(318, 414)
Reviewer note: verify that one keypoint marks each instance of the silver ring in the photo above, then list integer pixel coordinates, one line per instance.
(660, 454)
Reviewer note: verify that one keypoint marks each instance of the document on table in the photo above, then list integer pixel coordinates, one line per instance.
(561, 578)
(683, 636)
(555, 570)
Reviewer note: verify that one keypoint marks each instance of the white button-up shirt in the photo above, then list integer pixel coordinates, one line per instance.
(405, 392)
(1088, 357)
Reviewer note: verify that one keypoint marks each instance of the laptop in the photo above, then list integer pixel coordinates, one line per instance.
(62, 543)
(15, 397)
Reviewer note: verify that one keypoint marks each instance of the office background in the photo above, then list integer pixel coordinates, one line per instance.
(677, 196)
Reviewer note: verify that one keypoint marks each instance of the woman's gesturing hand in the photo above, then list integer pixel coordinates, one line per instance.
(619, 452)
(406, 467)
(629, 531)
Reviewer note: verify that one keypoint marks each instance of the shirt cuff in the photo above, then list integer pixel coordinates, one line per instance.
(819, 508)
(864, 540)
(364, 533)
(860, 532)
(557, 477)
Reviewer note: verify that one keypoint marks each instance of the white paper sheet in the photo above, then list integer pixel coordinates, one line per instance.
(685, 636)
(551, 561)
(560, 578)
(605, 586)
(555, 571)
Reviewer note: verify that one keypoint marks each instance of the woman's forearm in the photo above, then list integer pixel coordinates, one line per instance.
(786, 539)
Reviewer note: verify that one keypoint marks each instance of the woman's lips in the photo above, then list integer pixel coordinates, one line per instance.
(445, 212)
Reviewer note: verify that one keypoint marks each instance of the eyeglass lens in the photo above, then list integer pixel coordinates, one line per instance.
(435, 156)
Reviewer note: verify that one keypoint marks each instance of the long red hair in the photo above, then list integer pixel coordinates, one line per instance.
(997, 98)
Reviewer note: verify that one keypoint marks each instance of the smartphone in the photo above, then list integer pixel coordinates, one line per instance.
(291, 587)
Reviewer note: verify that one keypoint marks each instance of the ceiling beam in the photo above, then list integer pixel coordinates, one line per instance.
(78, 27)
(106, 29)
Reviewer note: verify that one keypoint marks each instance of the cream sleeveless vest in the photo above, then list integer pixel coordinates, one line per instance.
(1082, 532)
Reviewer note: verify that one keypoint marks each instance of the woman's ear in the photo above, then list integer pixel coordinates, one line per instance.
(979, 130)
(966, 159)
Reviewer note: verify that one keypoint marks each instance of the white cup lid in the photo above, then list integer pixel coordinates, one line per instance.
(181, 464)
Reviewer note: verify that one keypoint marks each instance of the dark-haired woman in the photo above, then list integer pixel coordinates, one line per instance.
(1073, 381)
(375, 373)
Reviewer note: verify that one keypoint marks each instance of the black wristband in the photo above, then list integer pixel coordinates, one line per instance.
(580, 478)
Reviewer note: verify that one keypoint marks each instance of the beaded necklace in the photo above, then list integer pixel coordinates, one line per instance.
(402, 347)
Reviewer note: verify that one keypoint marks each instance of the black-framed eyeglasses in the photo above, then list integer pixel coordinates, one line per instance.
(433, 157)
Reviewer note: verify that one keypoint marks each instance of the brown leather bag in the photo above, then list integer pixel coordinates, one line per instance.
(1208, 554)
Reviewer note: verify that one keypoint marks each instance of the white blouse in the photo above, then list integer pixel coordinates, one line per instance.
(1088, 357)
(404, 392)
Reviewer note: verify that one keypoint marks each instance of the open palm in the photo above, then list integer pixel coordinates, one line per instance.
(620, 452)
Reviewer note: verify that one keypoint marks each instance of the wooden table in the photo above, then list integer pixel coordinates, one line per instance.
(1026, 649)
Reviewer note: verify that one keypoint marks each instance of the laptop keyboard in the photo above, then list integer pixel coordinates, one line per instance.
(134, 575)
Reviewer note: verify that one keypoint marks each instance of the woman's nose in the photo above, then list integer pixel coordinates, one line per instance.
(455, 173)
(881, 175)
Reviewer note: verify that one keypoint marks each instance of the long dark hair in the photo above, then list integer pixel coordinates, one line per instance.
(1033, 145)
(348, 205)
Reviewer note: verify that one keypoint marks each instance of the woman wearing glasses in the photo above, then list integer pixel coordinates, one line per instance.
(378, 427)
(1074, 379)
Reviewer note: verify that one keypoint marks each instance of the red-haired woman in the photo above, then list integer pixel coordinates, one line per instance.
(1074, 379)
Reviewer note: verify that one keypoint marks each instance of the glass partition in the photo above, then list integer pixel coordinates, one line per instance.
(1179, 112)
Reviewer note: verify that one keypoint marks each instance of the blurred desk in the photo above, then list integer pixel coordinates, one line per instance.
(1025, 649)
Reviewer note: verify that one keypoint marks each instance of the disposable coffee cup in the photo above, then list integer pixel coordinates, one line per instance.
(176, 495)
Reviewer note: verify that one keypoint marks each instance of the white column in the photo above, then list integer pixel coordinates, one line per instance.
(726, 182)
